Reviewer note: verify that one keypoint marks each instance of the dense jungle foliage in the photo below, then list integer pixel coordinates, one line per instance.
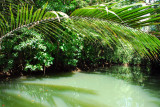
(56, 34)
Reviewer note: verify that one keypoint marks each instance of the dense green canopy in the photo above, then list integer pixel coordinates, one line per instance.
(106, 23)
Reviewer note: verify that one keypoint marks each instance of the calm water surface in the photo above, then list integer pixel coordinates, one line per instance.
(97, 89)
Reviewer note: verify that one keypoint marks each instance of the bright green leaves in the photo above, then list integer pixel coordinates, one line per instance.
(12, 19)
(65, 37)
(3, 24)
(98, 20)
(21, 17)
(36, 13)
(17, 19)
(27, 14)
(36, 51)
(26, 17)
(113, 33)
(123, 15)
(42, 13)
(30, 14)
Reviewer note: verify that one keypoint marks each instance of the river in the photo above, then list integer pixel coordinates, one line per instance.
(104, 87)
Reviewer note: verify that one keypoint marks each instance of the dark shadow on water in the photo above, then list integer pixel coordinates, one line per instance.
(152, 85)
(37, 77)
(17, 94)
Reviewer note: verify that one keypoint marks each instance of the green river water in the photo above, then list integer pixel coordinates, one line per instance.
(107, 87)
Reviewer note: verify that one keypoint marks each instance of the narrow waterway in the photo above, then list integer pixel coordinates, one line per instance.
(128, 87)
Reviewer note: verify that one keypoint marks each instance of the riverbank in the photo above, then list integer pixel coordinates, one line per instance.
(9, 75)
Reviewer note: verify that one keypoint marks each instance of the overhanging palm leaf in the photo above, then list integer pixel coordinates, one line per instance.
(26, 18)
(89, 22)
(126, 15)
(102, 20)
(110, 33)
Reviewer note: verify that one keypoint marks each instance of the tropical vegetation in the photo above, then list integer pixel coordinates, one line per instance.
(36, 35)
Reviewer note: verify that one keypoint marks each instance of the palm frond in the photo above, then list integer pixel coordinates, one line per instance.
(114, 33)
(93, 23)
(25, 18)
(127, 15)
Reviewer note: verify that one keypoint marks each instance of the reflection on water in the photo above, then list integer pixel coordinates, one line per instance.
(134, 74)
(82, 90)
